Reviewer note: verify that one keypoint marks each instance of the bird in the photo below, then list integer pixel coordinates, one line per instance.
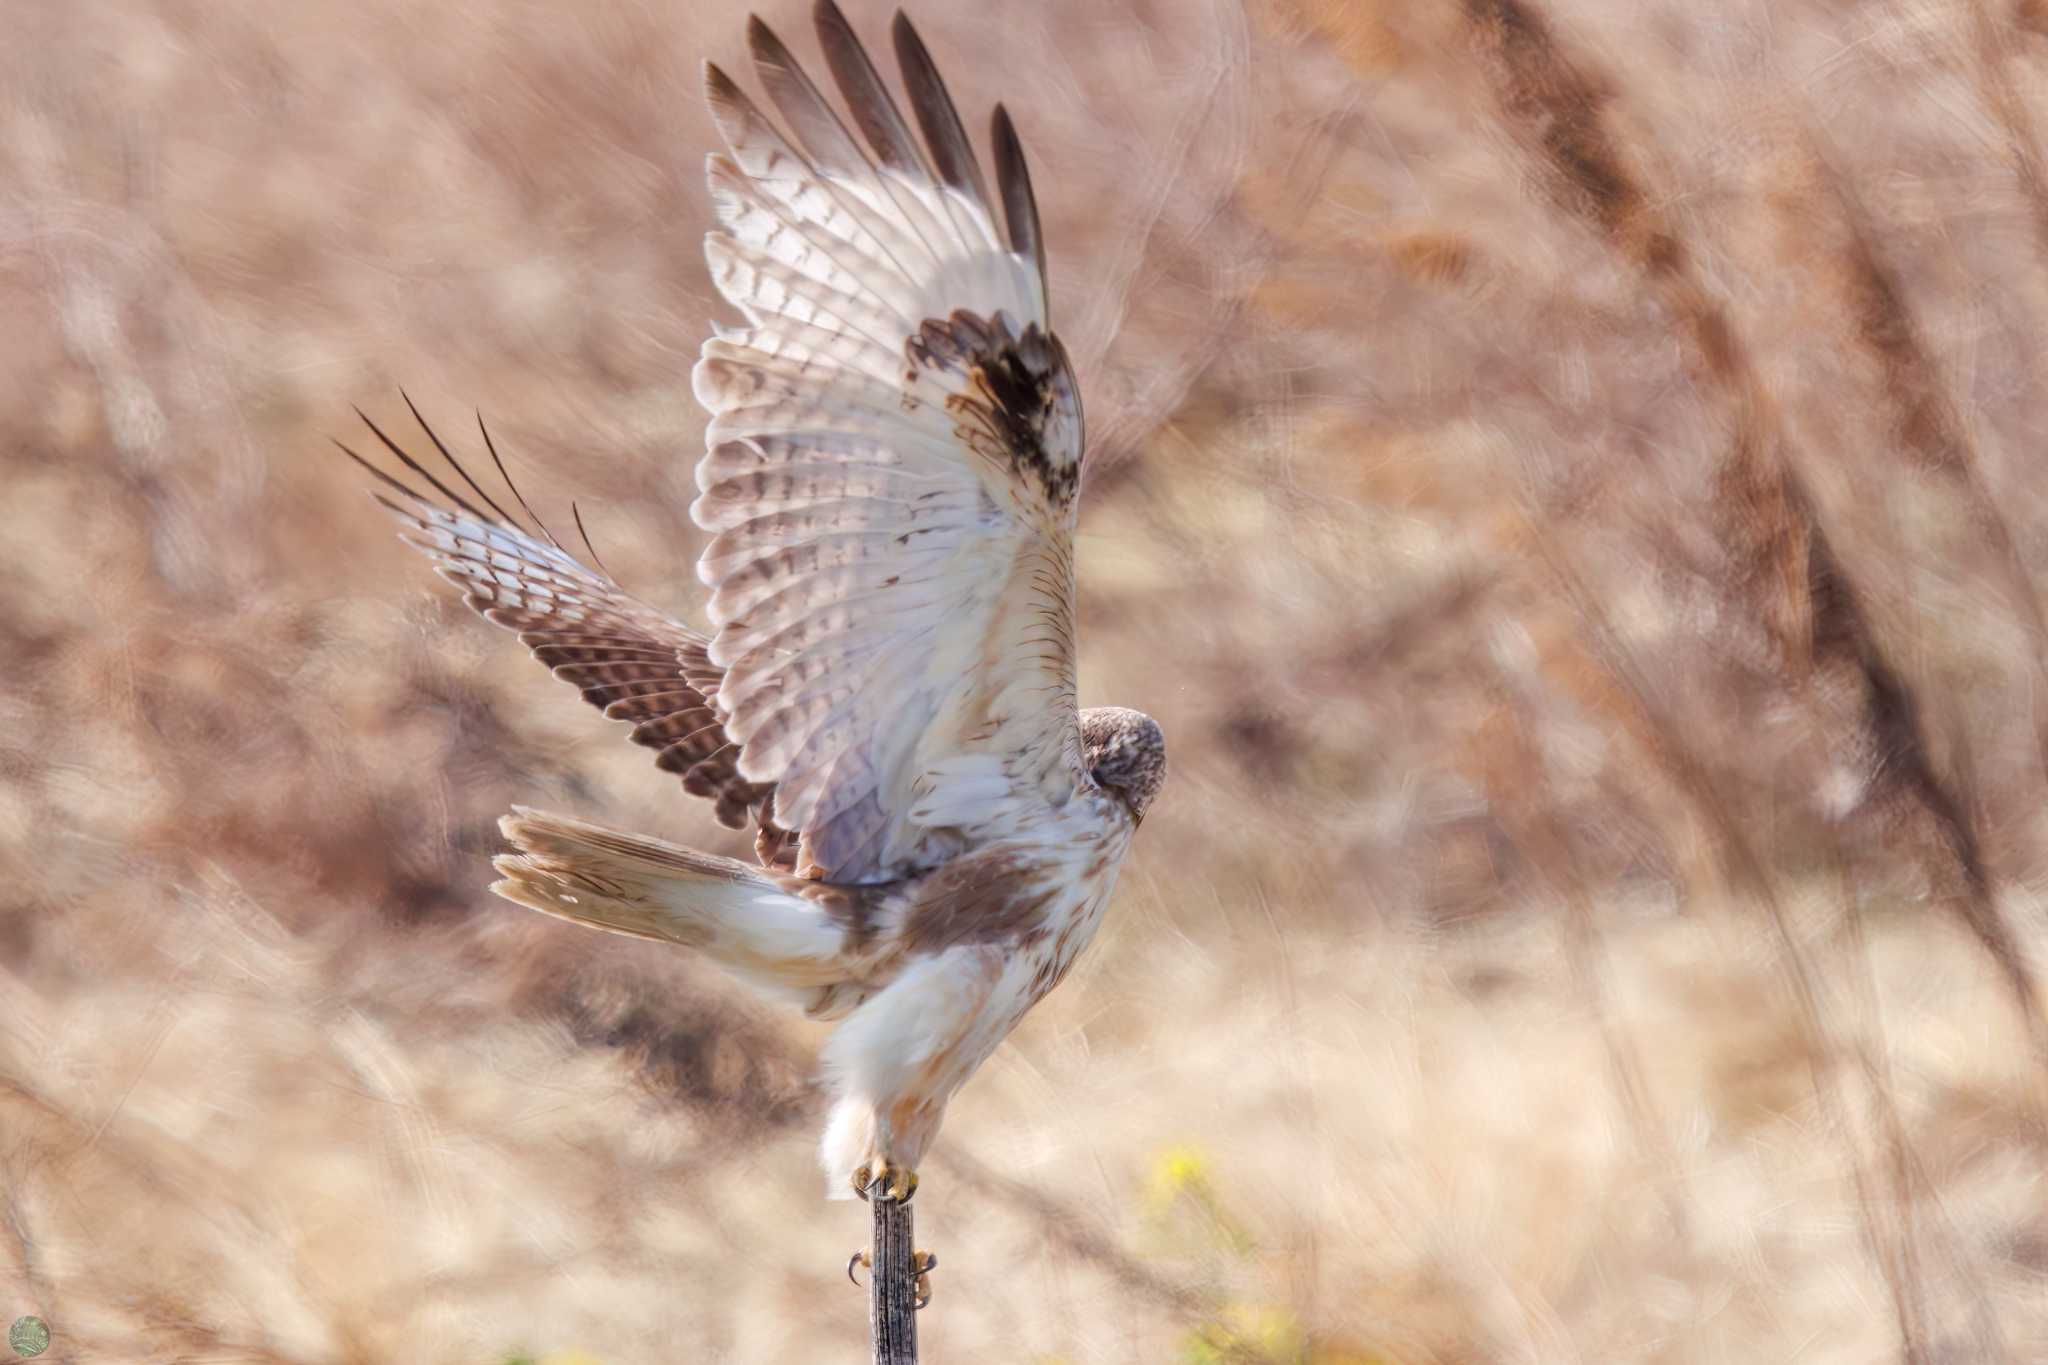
(885, 692)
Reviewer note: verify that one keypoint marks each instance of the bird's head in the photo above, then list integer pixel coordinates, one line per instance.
(1126, 754)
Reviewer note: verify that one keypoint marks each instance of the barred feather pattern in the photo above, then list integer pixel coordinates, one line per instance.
(891, 469)
(629, 660)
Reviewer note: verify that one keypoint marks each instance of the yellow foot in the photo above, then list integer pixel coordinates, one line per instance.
(883, 1181)
(922, 1264)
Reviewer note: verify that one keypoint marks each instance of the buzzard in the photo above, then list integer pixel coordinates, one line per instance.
(886, 692)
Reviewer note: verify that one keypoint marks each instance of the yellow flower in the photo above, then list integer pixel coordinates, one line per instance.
(1177, 1171)
(1245, 1332)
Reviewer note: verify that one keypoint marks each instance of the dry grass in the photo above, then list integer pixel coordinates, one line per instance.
(1566, 479)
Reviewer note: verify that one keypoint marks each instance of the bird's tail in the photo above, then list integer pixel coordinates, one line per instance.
(738, 915)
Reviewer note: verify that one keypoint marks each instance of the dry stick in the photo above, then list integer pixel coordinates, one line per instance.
(1914, 1186)
(1932, 431)
(892, 1287)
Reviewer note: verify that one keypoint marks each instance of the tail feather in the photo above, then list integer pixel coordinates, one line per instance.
(744, 918)
(608, 879)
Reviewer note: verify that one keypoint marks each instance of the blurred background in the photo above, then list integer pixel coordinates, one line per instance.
(1565, 473)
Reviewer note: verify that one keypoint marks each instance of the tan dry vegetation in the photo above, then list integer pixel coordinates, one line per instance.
(1567, 479)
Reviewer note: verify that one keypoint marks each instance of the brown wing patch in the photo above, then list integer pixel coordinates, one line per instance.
(1018, 386)
(998, 893)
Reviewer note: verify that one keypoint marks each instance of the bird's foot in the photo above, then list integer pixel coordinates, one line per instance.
(922, 1264)
(884, 1181)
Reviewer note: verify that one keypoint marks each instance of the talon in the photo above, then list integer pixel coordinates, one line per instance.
(902, 1183)
(922, 1264)
(894, 1182)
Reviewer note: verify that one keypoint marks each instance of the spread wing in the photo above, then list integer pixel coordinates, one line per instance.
(628, 659)
(893, 459)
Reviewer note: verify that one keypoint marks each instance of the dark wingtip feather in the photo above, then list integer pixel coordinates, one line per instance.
(455, 464)
(825, 140)
(1020, 206)
(455, 499)
(724, 98)
(824, 12)
(577, 513)
(732, 110)
(768, 53)
(518, 496)
(383, 477)
(763, 45)
(952, 154)
(874, 112)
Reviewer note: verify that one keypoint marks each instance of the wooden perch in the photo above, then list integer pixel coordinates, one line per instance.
(892, 1286)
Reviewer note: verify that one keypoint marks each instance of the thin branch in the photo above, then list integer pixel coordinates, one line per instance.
(892, 1286)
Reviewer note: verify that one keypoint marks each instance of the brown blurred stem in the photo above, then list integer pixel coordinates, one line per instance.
(892, 1288)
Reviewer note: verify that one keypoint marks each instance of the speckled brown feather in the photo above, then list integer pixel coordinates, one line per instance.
(1017, 384)
(627, 659)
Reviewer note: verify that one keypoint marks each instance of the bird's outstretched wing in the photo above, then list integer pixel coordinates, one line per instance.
(893, 460)
(628, 659)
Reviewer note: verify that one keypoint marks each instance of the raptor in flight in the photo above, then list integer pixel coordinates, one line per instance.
(887, 688)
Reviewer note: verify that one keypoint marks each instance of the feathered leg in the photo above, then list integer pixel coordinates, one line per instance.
(898, 1058)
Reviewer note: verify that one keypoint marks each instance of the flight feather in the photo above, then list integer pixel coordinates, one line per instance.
(891, 470)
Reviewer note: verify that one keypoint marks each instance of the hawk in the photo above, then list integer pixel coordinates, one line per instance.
(886, 692)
